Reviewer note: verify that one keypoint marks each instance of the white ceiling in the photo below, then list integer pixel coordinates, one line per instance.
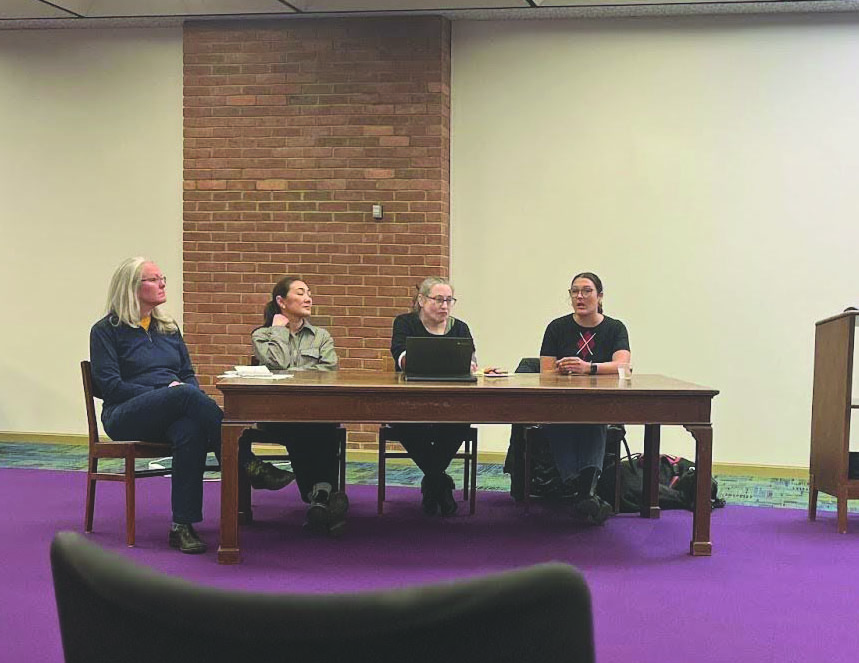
(95, 13)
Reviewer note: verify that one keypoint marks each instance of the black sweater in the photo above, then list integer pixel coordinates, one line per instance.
(409, 324)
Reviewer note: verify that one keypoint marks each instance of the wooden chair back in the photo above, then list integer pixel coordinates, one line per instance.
(89, 402)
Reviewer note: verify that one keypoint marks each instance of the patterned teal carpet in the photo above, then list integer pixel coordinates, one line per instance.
(749, 491)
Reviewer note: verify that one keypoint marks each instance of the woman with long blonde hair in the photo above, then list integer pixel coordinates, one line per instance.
(143, 373)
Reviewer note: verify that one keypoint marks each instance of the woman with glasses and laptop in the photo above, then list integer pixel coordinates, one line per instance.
(584, 342)
(287, 340)
(142, 371)
(431, 446)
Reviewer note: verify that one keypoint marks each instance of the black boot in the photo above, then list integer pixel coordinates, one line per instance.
(429, 498)
(446, 501)
(587, 505)
(186, 539)
(327, 511)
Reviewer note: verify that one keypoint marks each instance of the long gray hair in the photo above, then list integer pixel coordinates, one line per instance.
(122, 302)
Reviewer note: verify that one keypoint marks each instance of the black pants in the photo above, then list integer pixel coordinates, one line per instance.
(312, 451)
(431, 446)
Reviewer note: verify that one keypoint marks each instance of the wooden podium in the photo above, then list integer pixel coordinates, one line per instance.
(831, 405)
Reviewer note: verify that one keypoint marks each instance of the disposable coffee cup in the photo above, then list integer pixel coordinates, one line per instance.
(624, 371)
(548, 365)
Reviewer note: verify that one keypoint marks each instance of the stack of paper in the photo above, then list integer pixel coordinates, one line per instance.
(254, 372)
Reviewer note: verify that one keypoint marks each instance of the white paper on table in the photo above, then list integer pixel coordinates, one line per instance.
(253, 371)
(261, 372)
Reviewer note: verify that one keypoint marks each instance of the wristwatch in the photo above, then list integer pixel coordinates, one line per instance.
(593, 368)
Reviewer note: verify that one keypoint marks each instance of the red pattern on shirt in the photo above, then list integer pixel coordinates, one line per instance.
(585, 345)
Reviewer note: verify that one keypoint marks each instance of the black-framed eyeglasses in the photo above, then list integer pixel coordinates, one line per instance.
(156, 279)
(584, 292)
(450, 301)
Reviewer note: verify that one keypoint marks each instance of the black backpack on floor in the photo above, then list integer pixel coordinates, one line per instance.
(676, 484)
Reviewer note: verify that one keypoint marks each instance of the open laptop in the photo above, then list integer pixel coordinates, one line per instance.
(439, 359)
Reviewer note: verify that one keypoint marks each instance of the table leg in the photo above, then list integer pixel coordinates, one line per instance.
(228, 551)
(650, 480)
(841, 506)
(701, 544)
(812, 498)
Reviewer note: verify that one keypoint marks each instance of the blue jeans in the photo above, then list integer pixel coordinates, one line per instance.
(190, 421)
(576, 446)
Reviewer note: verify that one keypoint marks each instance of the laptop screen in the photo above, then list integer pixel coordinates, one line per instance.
(438, 357)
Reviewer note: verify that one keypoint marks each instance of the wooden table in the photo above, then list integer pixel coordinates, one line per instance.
(363, 397)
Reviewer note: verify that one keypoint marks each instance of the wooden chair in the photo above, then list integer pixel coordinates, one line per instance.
(258, 436)
(468, 456)
(128, 450)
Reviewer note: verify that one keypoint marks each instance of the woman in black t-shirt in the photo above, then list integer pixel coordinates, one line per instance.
(431, 446)
(585, 342)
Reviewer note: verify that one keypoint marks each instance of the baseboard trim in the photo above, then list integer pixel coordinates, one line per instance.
(726, 469)
(761, 471)
(371, 455)
(44, 438)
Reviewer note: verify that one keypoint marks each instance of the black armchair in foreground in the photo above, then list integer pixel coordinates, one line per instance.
(111, 609)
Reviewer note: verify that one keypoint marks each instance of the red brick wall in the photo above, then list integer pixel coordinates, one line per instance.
(293, 129)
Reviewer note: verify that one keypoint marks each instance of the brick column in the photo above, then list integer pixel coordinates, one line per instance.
(293, 130)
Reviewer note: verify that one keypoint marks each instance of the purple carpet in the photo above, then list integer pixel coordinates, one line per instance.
(778, 588)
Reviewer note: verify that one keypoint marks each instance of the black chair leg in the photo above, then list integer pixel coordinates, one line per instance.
(526, 496)
(616, 504)
(473, 497)
(380, 481)
(342, 454)
(466, 468)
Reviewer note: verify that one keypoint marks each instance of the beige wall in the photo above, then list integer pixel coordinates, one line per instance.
(705, 169)
(90, 173)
